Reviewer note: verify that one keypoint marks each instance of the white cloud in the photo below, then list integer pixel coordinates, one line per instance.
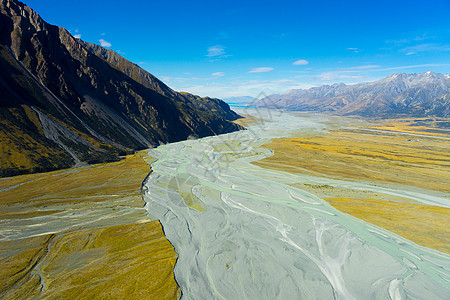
(77, 36)
(365, 67)
(411, 39)
(334, 76)
(361, 73)
(218, 74)
(430, 47)
(215, 51)
(249, 86)
(240, 87)
(166, 79)
(415, 66)
(300, 62)
(346, 74)
(356, 50)
(104, 43)
(261, 70)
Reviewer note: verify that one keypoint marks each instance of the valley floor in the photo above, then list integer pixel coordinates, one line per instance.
(83, 233)
(249, 212)
(240, 230)
(395, 153)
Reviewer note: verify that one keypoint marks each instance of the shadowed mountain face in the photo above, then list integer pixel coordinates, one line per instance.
(64, 102)
(415, 95)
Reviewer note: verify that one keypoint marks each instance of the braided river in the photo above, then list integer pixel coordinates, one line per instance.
(244, 232)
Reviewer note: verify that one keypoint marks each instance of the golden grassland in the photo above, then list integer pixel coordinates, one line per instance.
(118, 262)
(378, 157)
(425, 126)
(81, 185)
(362, 155)
(246, 119)
(124, 256)
(426, 225)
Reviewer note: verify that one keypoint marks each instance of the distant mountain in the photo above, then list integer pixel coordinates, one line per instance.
(243, 100)
(64, 102)
(418, 95)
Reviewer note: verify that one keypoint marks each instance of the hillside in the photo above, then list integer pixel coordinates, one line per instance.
(64, 102)
(398, 95)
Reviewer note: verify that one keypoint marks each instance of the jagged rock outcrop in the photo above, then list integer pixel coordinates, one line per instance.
(415, 95)
(64, 101)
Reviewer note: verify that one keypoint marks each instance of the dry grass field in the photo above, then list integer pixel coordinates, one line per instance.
(383, 156)
(99, 242)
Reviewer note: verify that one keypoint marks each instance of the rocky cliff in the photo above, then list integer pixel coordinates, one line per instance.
(64, 102)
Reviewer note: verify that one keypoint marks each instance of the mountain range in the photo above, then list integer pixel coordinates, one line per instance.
(398, 95)
(65, 102)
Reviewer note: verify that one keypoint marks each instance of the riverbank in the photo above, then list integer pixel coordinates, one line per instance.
(243, 231)
(83, 232)
(384, 158)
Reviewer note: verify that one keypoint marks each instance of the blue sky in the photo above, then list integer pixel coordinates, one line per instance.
(238, 48)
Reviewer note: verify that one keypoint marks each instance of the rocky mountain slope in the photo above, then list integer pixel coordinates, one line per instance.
(64, 102)
(417, 95)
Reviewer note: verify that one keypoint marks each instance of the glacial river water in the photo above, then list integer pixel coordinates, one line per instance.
(242, 232)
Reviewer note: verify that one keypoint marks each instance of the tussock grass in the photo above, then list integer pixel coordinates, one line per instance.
(376, 157)
(127, 256)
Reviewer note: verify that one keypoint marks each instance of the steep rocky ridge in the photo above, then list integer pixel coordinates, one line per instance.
(148, 80)
(64, 101)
